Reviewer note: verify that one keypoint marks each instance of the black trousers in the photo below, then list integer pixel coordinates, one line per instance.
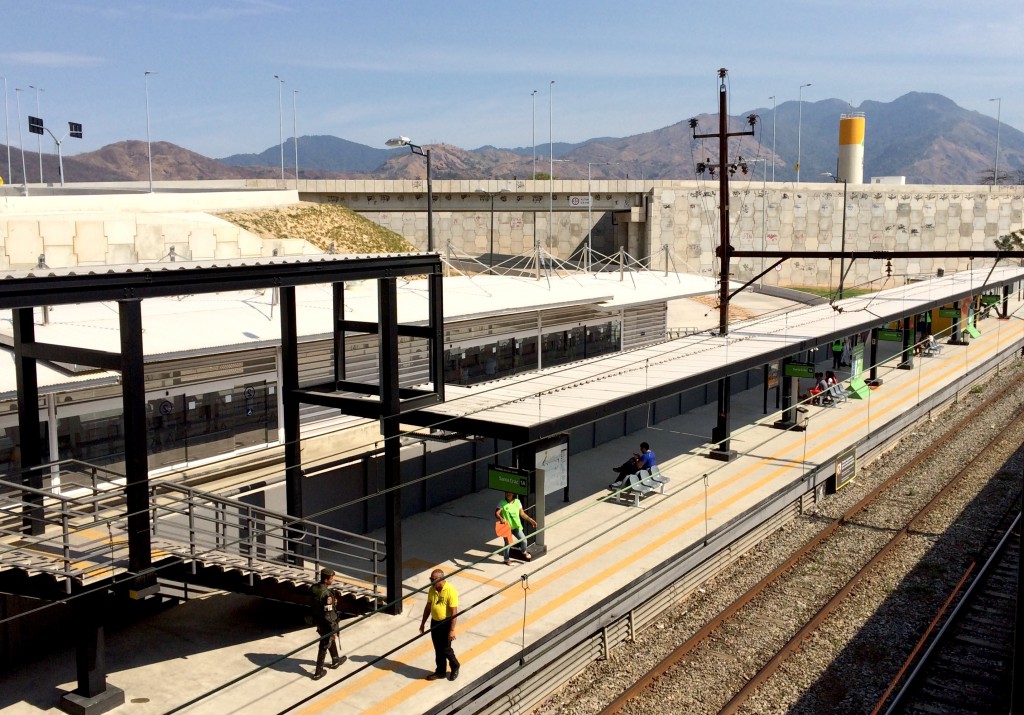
(327, 642)
(628, 467)
(443, 651)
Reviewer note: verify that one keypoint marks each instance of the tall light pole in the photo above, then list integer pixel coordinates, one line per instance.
(799, 126)
(416, 149)
(149, 140)
(39, 138)
(773, 137)
(551, 163)
(534, 133)
(842, 244)
(295, 134)
(280, 118)
(999, 112)
(590, 212)
(21, 142)
(7, 131)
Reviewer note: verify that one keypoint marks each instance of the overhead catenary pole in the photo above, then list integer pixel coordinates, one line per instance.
(720, 434)
(773, 137)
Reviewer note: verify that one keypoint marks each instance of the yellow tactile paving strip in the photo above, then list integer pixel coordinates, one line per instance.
(736, 486)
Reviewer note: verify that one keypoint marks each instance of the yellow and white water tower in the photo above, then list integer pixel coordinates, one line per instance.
(851, 147)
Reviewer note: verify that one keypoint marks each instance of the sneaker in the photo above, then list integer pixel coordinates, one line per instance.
(337, 663)
(435, 676)
(454, 674)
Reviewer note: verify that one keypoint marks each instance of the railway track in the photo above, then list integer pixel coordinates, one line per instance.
(736, 661)
(968, 668)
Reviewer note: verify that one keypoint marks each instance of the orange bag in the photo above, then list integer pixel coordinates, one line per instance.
(502, 529)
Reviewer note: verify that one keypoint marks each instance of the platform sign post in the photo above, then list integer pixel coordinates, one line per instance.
(508, 479)
(859, 389)
(845, 467)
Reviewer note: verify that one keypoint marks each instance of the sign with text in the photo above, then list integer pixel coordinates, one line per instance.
(949, 312)
(894, 336)
(579, 202)
(508, 479)
(555, 463)
(991, 300)
(846, 467)
(800, 369)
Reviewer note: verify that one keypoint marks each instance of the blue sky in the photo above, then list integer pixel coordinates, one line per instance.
(463, 72)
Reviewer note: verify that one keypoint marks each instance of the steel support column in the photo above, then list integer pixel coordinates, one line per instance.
(909, 333)
(873, 379)
(136, 459)
(338, 306)
(28, 420)
(387, 296)
(290, 418)
(93, 694)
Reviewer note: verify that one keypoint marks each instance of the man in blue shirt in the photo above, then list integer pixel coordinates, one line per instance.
(643, 460)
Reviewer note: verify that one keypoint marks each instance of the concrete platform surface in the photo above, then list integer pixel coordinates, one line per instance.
(226, 653)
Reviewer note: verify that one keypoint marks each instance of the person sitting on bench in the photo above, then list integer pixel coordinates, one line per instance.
(643, 460)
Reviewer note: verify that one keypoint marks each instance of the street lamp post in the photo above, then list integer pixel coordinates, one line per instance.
(7, 131)
(773, 137)
(416, 149)
(149, 141)
(21, 142)
(842, 243)
(999, 111)
(295, 134)
(39, 138)
(534, 133)
(551, 167)
(280, 119)
(799, 126)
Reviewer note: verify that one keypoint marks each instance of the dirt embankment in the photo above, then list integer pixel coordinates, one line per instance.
(322, 225)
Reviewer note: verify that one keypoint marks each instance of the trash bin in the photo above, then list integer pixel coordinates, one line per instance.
(801, 417)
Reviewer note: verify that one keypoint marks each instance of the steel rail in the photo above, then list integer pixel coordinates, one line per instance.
(711, 626)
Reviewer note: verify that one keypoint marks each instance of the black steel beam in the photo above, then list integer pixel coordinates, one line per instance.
(136, 461)
(291, 402)
(27, 378)
(74, 356)
(85, 285)
(387, 312)
(877, 255)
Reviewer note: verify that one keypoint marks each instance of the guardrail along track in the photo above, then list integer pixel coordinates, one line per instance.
(735, 654)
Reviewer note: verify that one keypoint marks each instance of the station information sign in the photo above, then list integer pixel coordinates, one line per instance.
(508, 479)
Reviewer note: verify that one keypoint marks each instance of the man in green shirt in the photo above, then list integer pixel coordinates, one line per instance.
(510, 510)
(325, 618)
(442, 608)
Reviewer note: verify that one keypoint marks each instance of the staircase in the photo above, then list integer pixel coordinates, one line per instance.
(196, 537)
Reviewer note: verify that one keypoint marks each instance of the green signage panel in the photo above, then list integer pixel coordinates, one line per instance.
(800, 369)
(991, 300)
(895, 336)
(949, 312)
(508, 479)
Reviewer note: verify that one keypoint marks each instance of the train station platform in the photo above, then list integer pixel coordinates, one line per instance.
(226, 653)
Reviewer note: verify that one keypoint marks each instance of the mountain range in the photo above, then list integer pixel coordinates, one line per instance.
(924, 137)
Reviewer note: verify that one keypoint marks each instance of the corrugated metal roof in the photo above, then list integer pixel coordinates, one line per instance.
(560, 395)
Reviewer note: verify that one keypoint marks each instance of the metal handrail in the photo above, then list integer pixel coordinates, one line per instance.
(210, 525)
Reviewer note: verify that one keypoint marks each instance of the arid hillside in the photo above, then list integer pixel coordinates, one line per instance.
(322, 225)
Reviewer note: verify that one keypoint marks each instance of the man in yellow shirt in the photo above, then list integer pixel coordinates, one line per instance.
(442, 608)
